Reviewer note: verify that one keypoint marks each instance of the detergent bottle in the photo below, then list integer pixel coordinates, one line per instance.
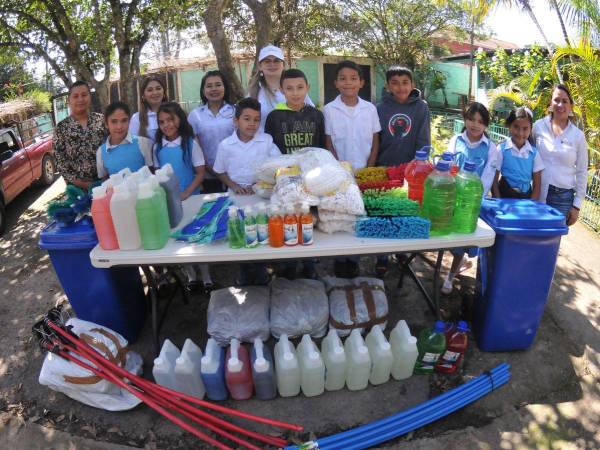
(262, 371)
(235, 229)
(439, 198)
(212, 371)
(312, 368)
(262, 224)
(287, 369)
(404, 348)
(381, 355)
(359, 361)
(416, 172)
(150, 218)
(250, 230)
(431, 345)
(456, 346)
(105, 229)
(275, 227)
(162, 196)
(334, 358)
(238, 373)
(305, 233)
(469, 194)
(122, 210)
(164, 366)
(169, 182)
(187, 370)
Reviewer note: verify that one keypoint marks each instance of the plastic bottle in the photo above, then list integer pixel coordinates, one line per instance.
(250, 231)
(150, 218)
(262, 371)
(262, 224)
(334, 358)
(275, 228)
(456, 346)
(381, 355)
(404, 348)
(439, 198)
(133, 182)
(164, 366)
(144, 172)
(431, 345)
(105, 229)
(238, 373)
(171, 186)
(212, 371)
(162, 196)
(187, 370)
(235, 229)
(469, 193)
(416, 172)
(312, 368)
(305, 234)
(122, 210)
(290, 227)
(287, 369)
(359, 362)
(125, 172)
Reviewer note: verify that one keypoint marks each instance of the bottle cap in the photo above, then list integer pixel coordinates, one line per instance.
(386, 346)
(448, 156)
(443, 166)
(160, 361)
(421, 155)
(412, 340)
(99, 191)
(339, 350)
(233, 212)
(312, 354)
(145, 190)
(234, 365)
(462, 326)
(470, 166)
(439, 327)
(181, 360)
(261, 365)
(248, 211)
(305, 208)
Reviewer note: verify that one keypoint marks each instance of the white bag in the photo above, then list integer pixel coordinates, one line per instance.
(241, 313)
(348, 201)
(356, 303)
(326, 179)
(298, 307)
(334, 226)
(267, 169)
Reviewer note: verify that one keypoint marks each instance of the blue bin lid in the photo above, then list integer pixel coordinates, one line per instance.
(80, 234)
(516, 216)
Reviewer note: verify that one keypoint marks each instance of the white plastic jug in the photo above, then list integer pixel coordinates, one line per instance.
(404, 349)
(122, 210)
(164, 366)
(381, 355)
(312, 368)
(334, 358)
(287, 369)
(187, 370)
(359, 361)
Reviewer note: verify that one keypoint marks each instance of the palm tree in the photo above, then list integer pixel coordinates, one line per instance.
(585, 15)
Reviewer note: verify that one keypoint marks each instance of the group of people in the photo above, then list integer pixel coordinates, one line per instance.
(218, 144)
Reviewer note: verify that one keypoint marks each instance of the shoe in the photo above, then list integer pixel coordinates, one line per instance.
(447, 287)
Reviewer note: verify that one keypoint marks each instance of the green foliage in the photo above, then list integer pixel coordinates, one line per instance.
(503, 67)
(14, 77)
(440, 134)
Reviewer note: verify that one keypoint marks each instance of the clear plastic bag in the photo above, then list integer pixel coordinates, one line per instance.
(263, 189)
(326, 179)
(333, 226)
(331, 216)
(348, 201)
(289, 189)
(241, 313)
(267, 169)
(298, 307)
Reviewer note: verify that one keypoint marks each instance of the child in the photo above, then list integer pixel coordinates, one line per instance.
(239, 153)
(295, 124)
(518, 161)
(473, 144)
(145, 122)
(405, 126)
(121, 149)
(351, 134)
(212, 122)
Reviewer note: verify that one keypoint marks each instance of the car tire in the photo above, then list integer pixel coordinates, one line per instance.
(2, 218)
(48, 170)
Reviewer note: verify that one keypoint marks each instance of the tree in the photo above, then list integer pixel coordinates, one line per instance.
(585, 15)
(14, 78)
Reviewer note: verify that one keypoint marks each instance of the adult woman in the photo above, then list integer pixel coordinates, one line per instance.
(212, 122)
(265, 85)
(77, 138)
(563, 149)
(144, 123)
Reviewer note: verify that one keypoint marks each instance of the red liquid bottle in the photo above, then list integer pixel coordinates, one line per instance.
(456, 346)
(416, 173)
(238, 372)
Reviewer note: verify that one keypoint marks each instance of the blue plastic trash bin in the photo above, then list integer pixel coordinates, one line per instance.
(111, 297)
(515, 274)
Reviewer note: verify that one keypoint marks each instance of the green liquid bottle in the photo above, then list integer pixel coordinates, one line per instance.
(235, 229)
(469, 192)
(250, 235)
(149, 213)
(439, 197)
(262, 225)
(431, 346)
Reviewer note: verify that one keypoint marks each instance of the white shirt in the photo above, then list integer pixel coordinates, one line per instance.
(351, 129)
(565, 158)
(197, 155)
(211, 129)
(134, 125)
(268, 102)
(145, 145)
(239, 159)
(489, 171)
(522, 152)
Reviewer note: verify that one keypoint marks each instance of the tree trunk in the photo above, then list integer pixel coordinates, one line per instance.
(471, 44)
(261, 12)
(213, 21)
(562, 22)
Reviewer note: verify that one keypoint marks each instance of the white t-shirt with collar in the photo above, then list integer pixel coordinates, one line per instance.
(145, 145)
(239, 159)
(134, 125)
(197, 155)
(522, 152)
(565, 158)
(351, 129)
(211, 129)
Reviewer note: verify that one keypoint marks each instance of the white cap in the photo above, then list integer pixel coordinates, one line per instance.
(247, 211)
(233, 212)
(261, 365)
(270, 50)
(99, 191)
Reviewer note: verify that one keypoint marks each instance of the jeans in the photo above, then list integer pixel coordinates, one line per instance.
(560, 199)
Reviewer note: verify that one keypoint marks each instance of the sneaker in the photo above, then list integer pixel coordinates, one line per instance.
(447, 287)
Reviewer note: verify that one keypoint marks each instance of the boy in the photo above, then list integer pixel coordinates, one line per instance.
(294, 124)
(238, 154)
(351, 134)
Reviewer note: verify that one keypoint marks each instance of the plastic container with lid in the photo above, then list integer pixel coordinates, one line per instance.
(334, 358)
(381, 355)
(439, 197)
(415, 174)
(263, 373)
(287, 369)
(122, 210)
(312, 368)
(105, 229)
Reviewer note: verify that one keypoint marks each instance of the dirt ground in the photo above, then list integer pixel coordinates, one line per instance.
(552, 401)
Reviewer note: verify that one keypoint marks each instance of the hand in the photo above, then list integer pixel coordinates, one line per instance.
(184, 195)
(572, 216)
(241, 190)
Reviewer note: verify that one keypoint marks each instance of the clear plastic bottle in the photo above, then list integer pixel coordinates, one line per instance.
(439, 198)
(250, 231)
(275, 228)
(305, 234)
(404, 348)
(164, 366)
(359, 361)
(262, 224)
(187, 370)
(290, 227)
(334, 358)
(469, 194)
(381, 355)
(416, 172)
(235, 229)
(263, 373)
(212, 371)
(312, 368)
(431, 345)
(287, 369)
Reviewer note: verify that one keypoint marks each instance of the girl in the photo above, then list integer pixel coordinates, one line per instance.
(121, 149)
(472, 144)
(212, 122)
(563, 149)
(144, 123)
(518, 160)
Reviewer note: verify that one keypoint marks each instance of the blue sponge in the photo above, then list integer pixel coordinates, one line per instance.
(411, 227)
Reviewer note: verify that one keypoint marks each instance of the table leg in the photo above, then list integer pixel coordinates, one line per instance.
(436, 280)
(153, 294)
(405, 268)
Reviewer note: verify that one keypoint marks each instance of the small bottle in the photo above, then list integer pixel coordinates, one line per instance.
(431, 345)
(456, 346)
(381, 355)
(404, 348)
(262, 224)
(287, 369)
(164, 366)
(250, 233)
(359, 361)
(290, 227)
(238, 374)
(235, 229)
(312, 368)
(212, 371)
(334, 358)
(187, 370)
(262, 371)
(305, 234)
(275, 228)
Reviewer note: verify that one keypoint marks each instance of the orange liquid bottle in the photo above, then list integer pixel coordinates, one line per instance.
(290, 227)
(305, 232)
(275, 228)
